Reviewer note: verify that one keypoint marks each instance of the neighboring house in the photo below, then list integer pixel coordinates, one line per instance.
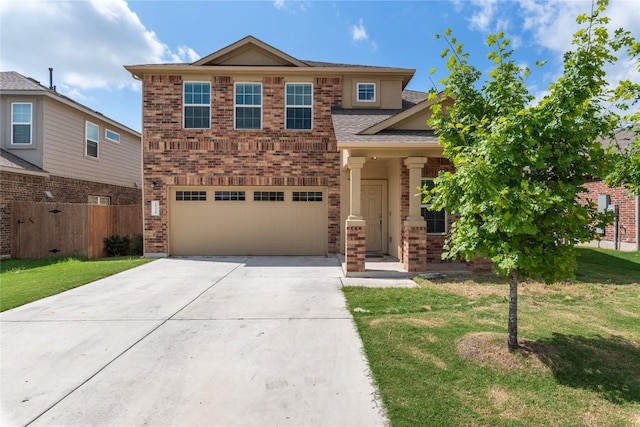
(249, 151)
(54, 149)
(624, 233)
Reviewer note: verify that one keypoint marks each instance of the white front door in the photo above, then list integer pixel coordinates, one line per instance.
(373, 214)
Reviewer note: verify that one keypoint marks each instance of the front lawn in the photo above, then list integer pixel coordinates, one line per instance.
(24, 281)
(438, 352)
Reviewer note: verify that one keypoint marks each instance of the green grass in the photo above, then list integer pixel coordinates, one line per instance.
(24, 281)
(438, 352)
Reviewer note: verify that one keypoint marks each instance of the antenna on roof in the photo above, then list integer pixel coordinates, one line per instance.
(51, 86)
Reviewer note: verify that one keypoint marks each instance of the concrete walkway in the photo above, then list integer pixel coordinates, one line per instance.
(259, 341)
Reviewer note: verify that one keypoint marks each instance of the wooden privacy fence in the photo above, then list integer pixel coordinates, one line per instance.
(40, 230)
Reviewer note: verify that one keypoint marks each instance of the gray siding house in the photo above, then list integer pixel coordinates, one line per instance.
(54, 149)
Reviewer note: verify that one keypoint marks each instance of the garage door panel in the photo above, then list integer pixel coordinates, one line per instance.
(215, 227)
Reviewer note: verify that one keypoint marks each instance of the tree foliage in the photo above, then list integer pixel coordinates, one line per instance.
(521, 166)
(626, 159)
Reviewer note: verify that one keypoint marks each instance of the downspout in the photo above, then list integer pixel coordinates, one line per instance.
(616, 226)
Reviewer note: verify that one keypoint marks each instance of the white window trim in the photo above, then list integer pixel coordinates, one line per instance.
(297, 106)
(86, 138)
(184, 104)
(22, 123)
(446, 214)
(235, 106)
(375, 90)
(106, 135)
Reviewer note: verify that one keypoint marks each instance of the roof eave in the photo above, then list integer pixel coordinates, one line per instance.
(138, 71)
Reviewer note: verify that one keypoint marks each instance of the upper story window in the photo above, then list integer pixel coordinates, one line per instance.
(197, 105)
(299, 105)
(366, 92)
(248, 105)
(21, 123)
(111, 135)
(92, 134)
(436, 220)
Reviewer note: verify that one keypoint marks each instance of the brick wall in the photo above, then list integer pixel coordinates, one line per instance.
(435, 242)
(30, 188)
(225, 156)
(414, 249)
(627, 215)
(355, 254)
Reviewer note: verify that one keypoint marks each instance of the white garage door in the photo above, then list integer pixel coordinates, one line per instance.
(248, 221)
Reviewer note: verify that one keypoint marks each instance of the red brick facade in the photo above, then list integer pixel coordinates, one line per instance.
(225, 156)
(414, 248)
(31, 188)
(355, 249)
(627, 214)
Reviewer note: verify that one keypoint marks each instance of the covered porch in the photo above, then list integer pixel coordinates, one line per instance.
(381, 186)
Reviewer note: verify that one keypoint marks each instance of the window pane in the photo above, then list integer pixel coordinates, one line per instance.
(92, 132)
(197, 93)
(92, 149)
(248, 94)
(196, 117)
(22, 134)
(366, 92)
(299, 94)
(112, 135)
(298, 118)
(247, 118)
(21, 113)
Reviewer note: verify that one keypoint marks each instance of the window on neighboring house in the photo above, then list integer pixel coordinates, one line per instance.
(436, 220)
(248, 105)
(99, 200)
(92, 135)
(197, 105)
(111, 135)
(366, 92)
(21, 123)
(299, 105)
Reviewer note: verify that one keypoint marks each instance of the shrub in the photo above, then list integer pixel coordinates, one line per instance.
(137, 245)
(116, 245)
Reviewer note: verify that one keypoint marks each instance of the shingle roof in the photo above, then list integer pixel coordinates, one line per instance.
(10, 80)
(8, 160)
(348, 123)
(13, 81)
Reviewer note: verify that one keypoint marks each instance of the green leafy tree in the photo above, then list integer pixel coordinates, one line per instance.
(626, 159)
(520, 167)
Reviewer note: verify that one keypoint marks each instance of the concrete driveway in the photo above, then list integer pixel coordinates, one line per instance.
(242, 341)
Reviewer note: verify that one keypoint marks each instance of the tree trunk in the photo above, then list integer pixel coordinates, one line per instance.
(512, 340)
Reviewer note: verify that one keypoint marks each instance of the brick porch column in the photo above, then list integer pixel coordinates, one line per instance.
(355, 245)
(414, 245)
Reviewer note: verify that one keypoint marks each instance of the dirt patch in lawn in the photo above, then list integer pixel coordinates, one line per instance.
(490, 349)
(422, 322)
(424, 356)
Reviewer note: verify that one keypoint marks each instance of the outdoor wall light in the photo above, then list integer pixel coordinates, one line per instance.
(153, 185)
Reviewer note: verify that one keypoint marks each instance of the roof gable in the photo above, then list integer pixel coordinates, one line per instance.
(414, 117)
(249, 52)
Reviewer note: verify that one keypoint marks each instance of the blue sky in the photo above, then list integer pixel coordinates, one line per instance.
(88, 42)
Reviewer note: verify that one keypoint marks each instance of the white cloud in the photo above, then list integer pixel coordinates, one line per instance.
(358, 32)
(278, 4)
(86, 42)
(482, 19)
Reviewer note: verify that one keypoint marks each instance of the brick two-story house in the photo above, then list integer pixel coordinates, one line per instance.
(249, 151)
